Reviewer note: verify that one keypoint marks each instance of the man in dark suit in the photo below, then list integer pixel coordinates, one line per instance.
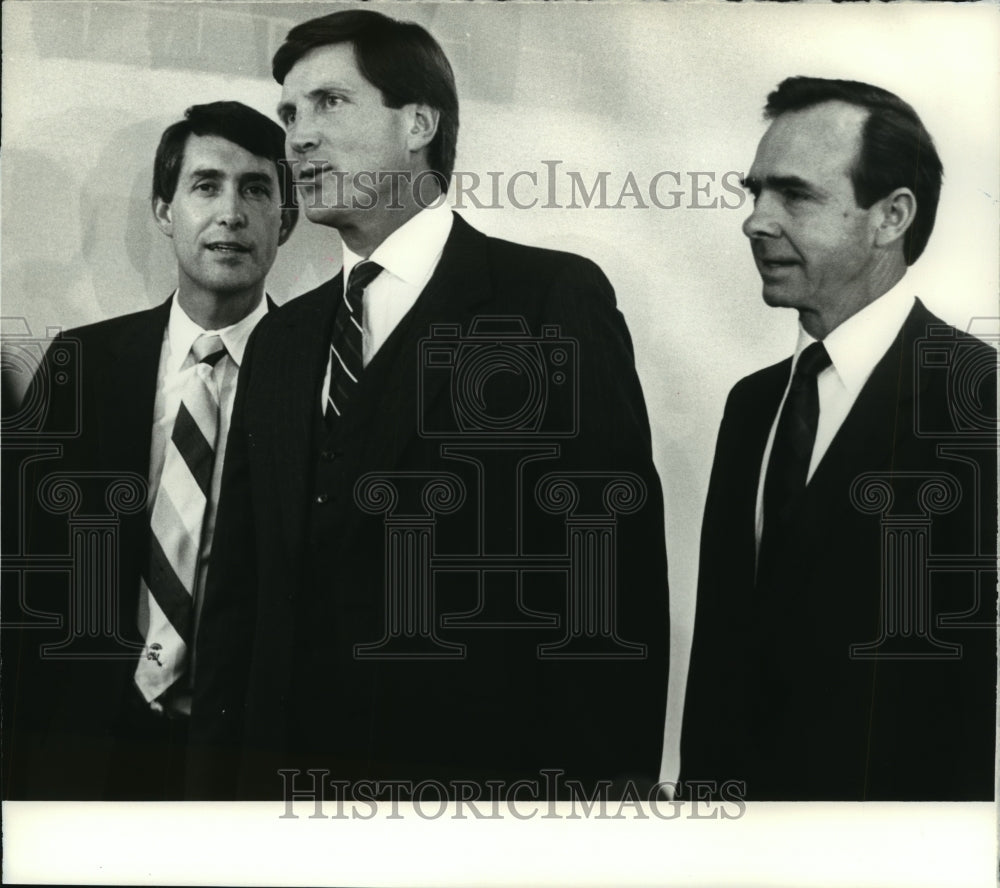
(844, 642)
(441, 557)
(97, 665)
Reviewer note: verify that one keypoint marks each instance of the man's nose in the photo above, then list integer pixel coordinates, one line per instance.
(763, 221)
(231, 211)
(303, 135)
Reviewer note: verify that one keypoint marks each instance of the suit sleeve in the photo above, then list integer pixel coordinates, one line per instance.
(712, 744)
(228, 619)
(619, 700)
(45, 428)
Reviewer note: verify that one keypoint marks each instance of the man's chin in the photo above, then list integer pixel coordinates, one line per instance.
(334, 217)
(778, 297)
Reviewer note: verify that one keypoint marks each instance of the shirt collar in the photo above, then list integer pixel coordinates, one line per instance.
(411, 252)
(182, 333)
(860, 342)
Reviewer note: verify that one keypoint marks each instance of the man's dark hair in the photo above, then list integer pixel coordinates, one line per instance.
(896, 150)
(234, 122)
(398, 58)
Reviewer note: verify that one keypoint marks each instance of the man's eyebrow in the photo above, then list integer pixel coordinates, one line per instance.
(754, 184)
(257, 178)
(205, 173)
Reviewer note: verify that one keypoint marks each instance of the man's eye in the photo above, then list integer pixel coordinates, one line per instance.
(794, 194)
(257, 191)
(288, 118)
(206, 187)
(331, 101)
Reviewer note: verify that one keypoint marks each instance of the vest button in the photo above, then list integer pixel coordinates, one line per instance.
(322, 498)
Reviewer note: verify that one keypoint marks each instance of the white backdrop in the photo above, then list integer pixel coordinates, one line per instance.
(623, 88)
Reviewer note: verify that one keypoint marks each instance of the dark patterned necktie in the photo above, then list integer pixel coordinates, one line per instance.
(346, 347)
(792, 449)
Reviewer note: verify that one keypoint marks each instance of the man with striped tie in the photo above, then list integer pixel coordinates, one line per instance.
(330, 652)
(156, 390)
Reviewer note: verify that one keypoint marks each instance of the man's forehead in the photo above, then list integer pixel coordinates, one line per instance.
(220, 156)
(333, 64)
(823, 139)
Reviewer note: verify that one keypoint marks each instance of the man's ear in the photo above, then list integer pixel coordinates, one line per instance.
(163, 216)
(423, 120)
(288, 220)
(898, 210)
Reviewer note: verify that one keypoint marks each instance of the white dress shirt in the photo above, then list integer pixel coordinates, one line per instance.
(854, 347)
(176, 366)
(409, 257)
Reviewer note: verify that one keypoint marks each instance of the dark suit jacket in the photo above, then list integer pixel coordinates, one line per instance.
(94, 428)
(76, 533)
(777, 697)
(298, 575)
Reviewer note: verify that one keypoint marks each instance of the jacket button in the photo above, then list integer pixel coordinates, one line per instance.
(322, 498)
(328, 455)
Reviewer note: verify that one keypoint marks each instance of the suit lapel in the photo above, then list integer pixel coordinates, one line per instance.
(736, 493)
(127, 388)
(128, 391)
(124, 401)
(388, 418)
(300, 378)
(755, 424)
(884, 408)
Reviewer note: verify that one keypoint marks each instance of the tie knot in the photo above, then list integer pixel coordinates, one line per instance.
(813, 361)
(361, 276)
(208, 349)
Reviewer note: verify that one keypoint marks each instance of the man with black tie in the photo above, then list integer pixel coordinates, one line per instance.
(395, 602)
(845, 633)
(97, 704)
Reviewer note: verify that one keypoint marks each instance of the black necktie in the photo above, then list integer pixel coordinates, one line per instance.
(792, 449)
(346, 354)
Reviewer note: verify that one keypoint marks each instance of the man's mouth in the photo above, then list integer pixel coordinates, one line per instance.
(227, 247)
(308, 171)
(776, 263)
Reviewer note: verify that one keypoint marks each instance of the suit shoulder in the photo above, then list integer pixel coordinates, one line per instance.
(553, 282)
(938, 334)
(925, 326)
(761, 382)
(542, 261)
(303, 305)
(112, 328)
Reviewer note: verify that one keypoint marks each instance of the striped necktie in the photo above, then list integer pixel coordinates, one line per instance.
(346, 346)
(166, 598)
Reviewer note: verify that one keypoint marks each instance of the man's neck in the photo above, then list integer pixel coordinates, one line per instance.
(364, 237)
(215, 311)
(819, 324)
